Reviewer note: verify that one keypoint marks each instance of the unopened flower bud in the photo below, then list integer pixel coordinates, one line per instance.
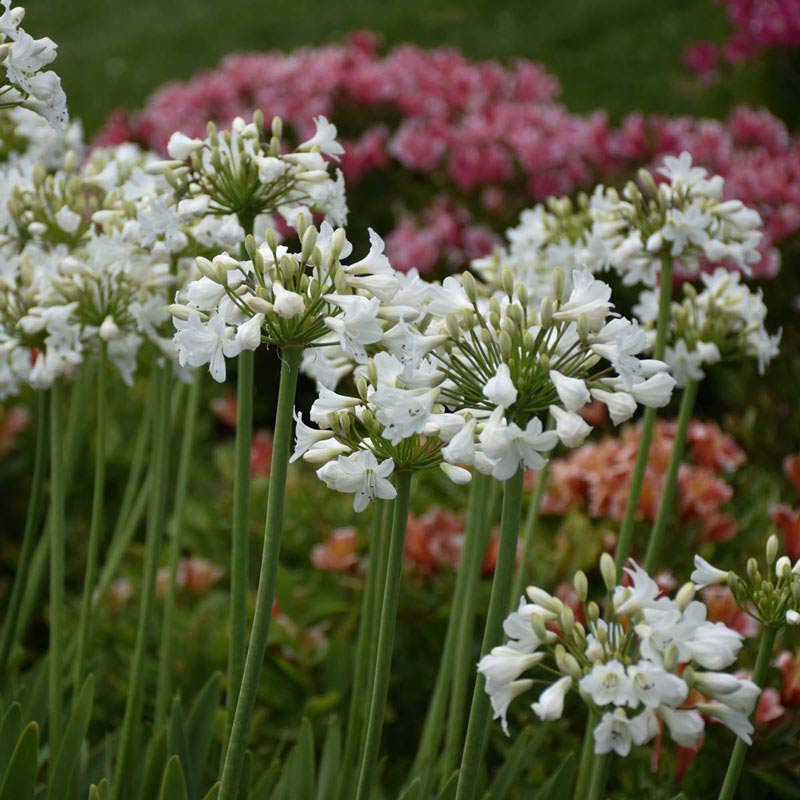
(783, 567)
(505, 344)
(558, 283)
(772, 549)
(581, 585)
(469, 286)
(337, 243)
(685, 594)
(507, 281)
(752, 570)
(671, 655)
(361, 387)
(566, 620)
(546, 312)
(592, 611)
(538, 627)
(260, 305)
(277, 127)
(609, 571)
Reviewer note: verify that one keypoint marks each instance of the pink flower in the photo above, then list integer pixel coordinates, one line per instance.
(338, 552)
(701, 58)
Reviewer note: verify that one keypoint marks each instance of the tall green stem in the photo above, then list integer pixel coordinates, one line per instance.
(434, 720)
(728, 791)
(159, 475)
(587, 758)
(33, 518)
(57, 554)
(240, 730)
(478, 726)
(134, 497)
(165, 658)
(383, 662)
(357, 710)
(240, 557)
(464, 615)
(524, 571)
(599, 776)
(648, 422)
(95, 526)
(668, 495)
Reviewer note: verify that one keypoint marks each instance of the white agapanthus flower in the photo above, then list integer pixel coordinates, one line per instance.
(649, 659)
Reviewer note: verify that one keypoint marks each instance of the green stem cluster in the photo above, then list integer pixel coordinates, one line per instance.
(388, 618)
(240, 730)
(478, 726)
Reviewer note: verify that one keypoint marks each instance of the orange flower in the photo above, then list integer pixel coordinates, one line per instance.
(788, 521)
(225, 409)
(338, 552)
(789, 665)
(722, 608)
(261, 455)
(433, 540)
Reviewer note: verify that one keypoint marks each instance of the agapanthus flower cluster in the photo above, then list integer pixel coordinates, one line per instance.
(640, 661)
(596, 478)
(723, 321)
(307, 298)
(239, 171)
(772, 597)
(25, 82)
(90, 251)
(507, 366)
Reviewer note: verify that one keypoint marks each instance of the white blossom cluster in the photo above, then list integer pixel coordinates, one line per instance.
(447, 378)
(682, 218)
(726, 320)
(26, 83)
(506, 366)
(238, 172)
(771, 597)
(648, 660)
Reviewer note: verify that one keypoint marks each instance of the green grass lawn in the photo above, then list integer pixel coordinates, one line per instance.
(616, 54)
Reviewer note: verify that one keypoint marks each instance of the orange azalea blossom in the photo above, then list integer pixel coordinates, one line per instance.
(12, 423)
(195, 574)
(787, 520)
(225, 409)
(597, 477)
(261, 455)
(723, 608)
(338, 552)
(789, 665)
(791, 466)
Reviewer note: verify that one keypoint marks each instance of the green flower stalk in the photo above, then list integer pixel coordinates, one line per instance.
(96, 524)
(388, 617)
(240, 731)
(57, 556)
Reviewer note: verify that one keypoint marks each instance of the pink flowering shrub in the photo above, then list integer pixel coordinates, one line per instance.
(596, 478)
(756, 25)
(486, 139)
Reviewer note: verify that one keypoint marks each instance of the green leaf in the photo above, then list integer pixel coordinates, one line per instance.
(247, 775)
(173, 786)
(19, 782)
(449, 790)
(10, 729)
(558, 786)
(61, 769)
(156, 757)
(35, 705)
(200, 722)
(518, 757)
(178, 744)
(786, 787)
(328, 780)
(266, 783)
(411, 791)
(101, 791)
(300, 766)
(213, 792)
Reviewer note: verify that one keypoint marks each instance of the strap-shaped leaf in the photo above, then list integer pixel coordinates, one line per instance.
(34, 703)
(155, 759)
(558, 786)
(19, 782)
(411, 792)
(61, 769)
(10, 729)
(173, 785)
(329, 765)
(213, 792)
(518, 757)
(178, 744)
(449, 789)
(101, 791)
(300, 779)
(200, 722)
